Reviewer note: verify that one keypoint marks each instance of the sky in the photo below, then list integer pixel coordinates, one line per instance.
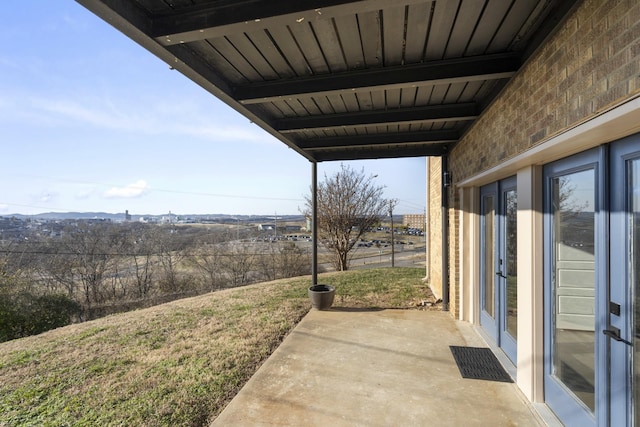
(92, 122)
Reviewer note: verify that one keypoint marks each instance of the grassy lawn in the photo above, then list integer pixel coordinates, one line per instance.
(177, 364)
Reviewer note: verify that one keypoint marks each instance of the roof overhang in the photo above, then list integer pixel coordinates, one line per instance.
(345, 80)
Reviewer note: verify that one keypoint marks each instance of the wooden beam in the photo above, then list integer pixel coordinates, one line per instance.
(426, 114)
(486, 67)
(380, 153)
(402, 138)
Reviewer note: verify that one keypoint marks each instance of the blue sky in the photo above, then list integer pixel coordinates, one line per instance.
(91, 121)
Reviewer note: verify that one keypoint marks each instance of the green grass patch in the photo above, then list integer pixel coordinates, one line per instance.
(178, 364)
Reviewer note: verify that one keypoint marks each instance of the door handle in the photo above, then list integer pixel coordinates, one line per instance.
(499, 273)
(614, 333)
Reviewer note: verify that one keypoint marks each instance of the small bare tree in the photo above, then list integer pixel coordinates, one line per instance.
(206, 258)
(170, 251)
(348, 205)
(237, 263)
(138, 247)
(283, 259)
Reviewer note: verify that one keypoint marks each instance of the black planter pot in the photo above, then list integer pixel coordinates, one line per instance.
(321, 296)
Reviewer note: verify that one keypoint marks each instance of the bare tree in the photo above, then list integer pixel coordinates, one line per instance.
(293, 261)
(348, 205)
(140, 248)
(207, 259)
(57, 270)
(237, 263)
(170, 250)
(85, 248)
(283, 259)
(267, 262)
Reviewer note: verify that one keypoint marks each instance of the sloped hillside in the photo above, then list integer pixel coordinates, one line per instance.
(177, 364)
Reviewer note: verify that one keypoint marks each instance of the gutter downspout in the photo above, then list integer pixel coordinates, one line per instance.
(314, 223)
(445, 232)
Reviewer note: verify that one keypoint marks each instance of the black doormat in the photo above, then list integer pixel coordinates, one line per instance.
(479, 363)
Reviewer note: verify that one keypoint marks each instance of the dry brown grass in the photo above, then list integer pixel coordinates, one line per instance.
(175, 364)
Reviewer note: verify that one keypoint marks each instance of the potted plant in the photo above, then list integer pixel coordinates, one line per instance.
(321, 296)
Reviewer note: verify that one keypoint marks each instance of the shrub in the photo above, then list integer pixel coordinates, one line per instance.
(23, 314)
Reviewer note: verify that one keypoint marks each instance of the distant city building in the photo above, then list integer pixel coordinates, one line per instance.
(127, 217)
(413, 221)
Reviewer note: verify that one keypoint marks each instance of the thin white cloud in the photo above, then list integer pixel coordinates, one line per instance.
(131, 191)
(78, 113)
(4, 207)
(224, 133)
(103, 113)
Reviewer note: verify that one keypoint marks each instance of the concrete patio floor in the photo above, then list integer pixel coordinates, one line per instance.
(346, 367)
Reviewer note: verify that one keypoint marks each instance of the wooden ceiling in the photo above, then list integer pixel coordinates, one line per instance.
(344, 80)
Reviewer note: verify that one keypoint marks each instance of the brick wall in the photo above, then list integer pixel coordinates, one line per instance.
(590, 65)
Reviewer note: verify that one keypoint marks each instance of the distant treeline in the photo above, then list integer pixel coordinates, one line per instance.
(95, 269)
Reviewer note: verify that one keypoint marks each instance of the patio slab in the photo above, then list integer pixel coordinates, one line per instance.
(345, 367)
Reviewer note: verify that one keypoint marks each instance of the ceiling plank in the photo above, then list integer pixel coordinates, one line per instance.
(418, 20)
(347, 29)
(451, 112)
(212, 20)
(487, 67)
(442, 22)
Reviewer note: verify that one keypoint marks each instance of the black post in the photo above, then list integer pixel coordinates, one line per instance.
(314, 223)
(445, 232)
(393, 243)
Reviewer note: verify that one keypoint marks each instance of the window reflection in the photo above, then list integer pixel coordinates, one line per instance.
(573, 199)
(511, 234)
(489, 273)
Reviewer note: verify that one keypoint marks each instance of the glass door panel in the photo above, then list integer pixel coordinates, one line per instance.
(573, 300)
(574, 286)
(488, 256)
(489, 261)
(507, 276)
(511, 257)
